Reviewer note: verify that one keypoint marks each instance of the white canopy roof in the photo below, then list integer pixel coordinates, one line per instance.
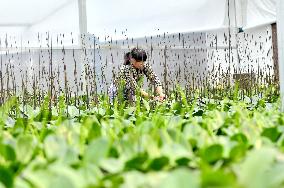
(134, 18)
(29, 17)
(28, 12)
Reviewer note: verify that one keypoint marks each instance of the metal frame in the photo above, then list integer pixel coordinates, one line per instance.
(82, 16)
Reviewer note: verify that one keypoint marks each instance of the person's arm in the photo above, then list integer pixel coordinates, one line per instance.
(151, 75)
(160, 92)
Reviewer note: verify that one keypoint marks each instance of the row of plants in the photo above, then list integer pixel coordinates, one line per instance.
(182, 142)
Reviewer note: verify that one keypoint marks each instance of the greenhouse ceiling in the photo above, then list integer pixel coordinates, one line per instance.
(102, 18)
(28, 12)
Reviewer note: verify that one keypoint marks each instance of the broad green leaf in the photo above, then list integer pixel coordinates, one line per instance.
(136, 163)
(240, 138)
(90, 173)
(46, 179)
(177, 108)
(212, 153)
(272, 133)
(158, 163)
(112, 180)
(275, 175)
(181, 178)
(238, 152)
(72, 176)
(112, 165)
(25, 148)
(183, 161)
(55, 147)
(176, 151)
(6, 177)
(134, 179)
(94, 128)
(252, 172)
(7, 152)
(218, 178)
(19, 182)
(60, 181)
(97, 150)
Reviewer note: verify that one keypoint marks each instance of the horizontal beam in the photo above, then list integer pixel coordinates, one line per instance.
(15, 24)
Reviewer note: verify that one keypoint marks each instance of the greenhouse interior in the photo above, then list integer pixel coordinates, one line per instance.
(128, 93)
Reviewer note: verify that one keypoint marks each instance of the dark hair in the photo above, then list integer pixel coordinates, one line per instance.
(138, 54)
(127, 58)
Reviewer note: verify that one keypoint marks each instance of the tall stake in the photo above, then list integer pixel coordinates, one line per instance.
(280, 33)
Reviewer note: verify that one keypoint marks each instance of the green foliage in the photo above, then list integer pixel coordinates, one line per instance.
(7, 152)
(25, 148)
(272, 133)
(6, 177)
(212, 153)
(186, 141)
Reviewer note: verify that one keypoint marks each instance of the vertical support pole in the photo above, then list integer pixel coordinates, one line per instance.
(275, 53)
(280, 35)
(82, 19)
(82, 41)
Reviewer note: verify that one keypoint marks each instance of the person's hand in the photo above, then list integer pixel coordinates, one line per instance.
(144, 93)
(161, 94)
(160, 98)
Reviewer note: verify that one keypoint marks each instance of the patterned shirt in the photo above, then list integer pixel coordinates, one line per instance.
(132, 76)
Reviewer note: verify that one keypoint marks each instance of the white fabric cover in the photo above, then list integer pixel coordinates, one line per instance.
(25, 19)
(134, 18)
(150, 17)
(142, 18)
(253, 13)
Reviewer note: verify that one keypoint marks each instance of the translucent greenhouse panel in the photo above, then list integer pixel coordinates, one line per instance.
(252, 13)
(260, 12)
(29, 11)
(11, 31)
(127, 18)
(64, 21)
(54, 19)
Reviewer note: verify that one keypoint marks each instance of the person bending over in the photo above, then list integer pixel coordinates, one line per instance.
(134, 68)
